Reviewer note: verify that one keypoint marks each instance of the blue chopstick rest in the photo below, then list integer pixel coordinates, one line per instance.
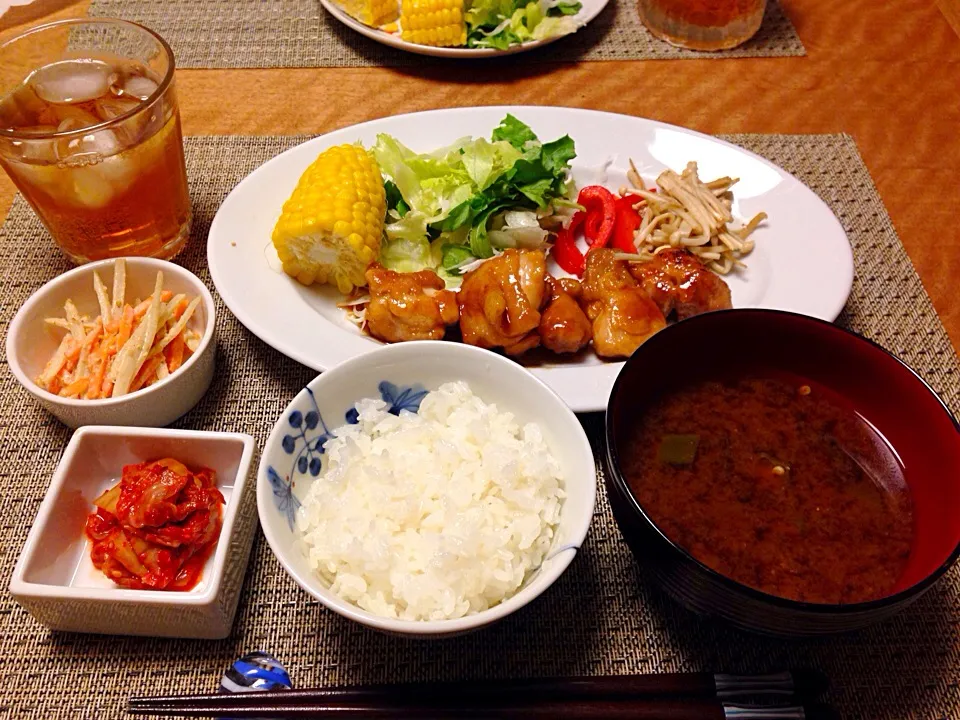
(255, 672)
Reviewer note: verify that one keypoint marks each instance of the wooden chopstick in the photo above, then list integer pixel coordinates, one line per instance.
(271, 706)
(491, 696)
(799, 683)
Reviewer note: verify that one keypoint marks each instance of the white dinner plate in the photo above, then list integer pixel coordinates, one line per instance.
(802, 262)
(590, 9)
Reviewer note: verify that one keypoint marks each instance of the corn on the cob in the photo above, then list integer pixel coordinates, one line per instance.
(371, 12)
(433, 22)
(330, 228)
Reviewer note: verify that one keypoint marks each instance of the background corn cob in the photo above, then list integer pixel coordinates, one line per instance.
(372, 12)
(433, 22)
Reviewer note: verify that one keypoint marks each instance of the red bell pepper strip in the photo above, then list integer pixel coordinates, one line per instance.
(565, 250)
(601, 208)
(628, 221)
(591, 226)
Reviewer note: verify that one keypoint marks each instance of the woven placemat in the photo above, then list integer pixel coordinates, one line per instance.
(601, 617)
(300, 33)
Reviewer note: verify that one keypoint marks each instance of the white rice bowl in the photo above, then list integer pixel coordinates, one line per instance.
(435, 515)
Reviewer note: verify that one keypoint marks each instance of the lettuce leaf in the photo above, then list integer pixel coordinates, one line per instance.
(565, 8)
(514, 132)
(485, 161)
(557, 155)
(406, 254)
(427, 184)
(395, 200)
(455, 255)
(554, 27)
(393, 159)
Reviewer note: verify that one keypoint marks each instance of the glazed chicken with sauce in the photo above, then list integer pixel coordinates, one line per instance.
(676, 280)
(408, 306)
(622, 313)
(564, 327)
(511, 302)
(500, 301)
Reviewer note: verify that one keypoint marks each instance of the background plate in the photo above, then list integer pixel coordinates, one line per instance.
(590, 9)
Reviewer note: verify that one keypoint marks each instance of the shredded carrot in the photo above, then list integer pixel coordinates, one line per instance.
(108, 346)
(94, 334)
(174, 352)
(107, 388)
(140, 310)
(72, 359)
(178, 310)
(126, 325)
(89, 342)
(94, 389)
(75, 388)
(146, 373)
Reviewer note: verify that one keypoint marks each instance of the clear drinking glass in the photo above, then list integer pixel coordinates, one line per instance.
(703, 24)
(90, 134)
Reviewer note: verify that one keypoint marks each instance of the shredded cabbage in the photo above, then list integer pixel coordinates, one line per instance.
(517, 229)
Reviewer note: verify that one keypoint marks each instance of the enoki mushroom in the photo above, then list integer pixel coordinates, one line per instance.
(687, 212)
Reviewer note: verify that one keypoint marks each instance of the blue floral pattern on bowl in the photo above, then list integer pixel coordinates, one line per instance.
(309, 433)
(287, 502)
(396, 398)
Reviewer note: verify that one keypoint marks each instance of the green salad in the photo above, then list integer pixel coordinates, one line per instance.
(502, 23)
(449, 208)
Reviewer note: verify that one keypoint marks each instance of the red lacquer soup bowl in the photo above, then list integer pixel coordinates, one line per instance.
(884, 391)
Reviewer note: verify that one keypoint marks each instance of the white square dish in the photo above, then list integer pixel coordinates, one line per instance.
(54, 578)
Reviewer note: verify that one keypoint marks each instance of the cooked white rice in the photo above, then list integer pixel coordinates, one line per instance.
(433, 515)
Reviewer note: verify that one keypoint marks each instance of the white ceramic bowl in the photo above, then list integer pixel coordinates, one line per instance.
(54, 578)
(286, 472)
(31, 343)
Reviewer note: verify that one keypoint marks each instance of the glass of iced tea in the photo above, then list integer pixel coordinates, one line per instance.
(703, 24)
(90, 135)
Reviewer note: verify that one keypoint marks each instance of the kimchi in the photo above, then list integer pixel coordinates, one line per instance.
(155, 528)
